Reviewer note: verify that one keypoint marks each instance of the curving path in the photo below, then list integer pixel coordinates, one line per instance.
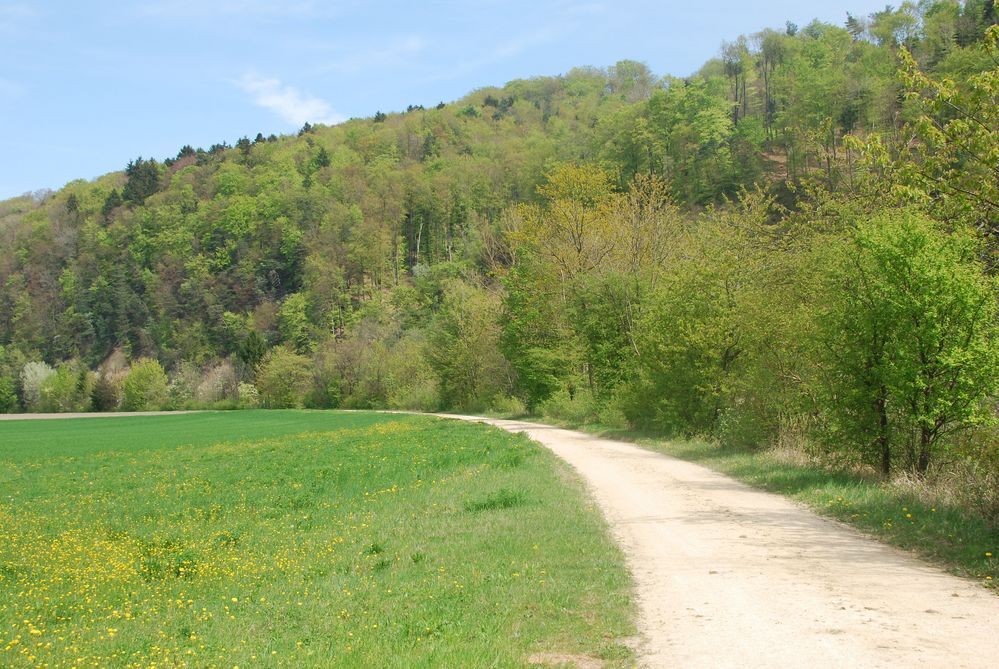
(730, 576)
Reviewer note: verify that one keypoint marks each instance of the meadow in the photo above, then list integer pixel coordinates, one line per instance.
(298, 539)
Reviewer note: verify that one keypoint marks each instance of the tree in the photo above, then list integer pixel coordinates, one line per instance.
(694, 330)
(283, 379)
(572, 227)
(293, 323)
(463, 348)
(8, 395)
(68, 390)
(252, 348)
(912, 337)
(146, 388)
(322, 158)
(111, 202)
(143, 180)
(33, 377)
(950, 161)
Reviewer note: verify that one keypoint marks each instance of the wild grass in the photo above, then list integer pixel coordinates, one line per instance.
(297, 539)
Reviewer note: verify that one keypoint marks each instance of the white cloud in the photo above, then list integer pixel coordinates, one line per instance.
(288, 102)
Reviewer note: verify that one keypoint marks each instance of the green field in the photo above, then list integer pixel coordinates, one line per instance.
(297, 539)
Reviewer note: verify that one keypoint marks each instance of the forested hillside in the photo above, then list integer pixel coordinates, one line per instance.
(796, 243)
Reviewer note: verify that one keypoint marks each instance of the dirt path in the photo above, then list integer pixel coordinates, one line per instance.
(730, 576)
(115, 414)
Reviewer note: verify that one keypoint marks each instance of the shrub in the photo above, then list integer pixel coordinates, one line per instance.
(146, 387)
(8, 395)
(183, 383)
(247, 396)
(578, 408)
(219, 383)
(284, 379)
(106, 394)
(411, 382)
(508, 406)
(33, 375)
(68, 390)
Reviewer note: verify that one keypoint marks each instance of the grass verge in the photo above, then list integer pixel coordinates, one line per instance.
(298, 539)
(950, 536)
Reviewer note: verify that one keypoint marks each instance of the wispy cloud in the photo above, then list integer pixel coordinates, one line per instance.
(399, 54)
(584, 9)
(14, 14)
(288, 102)
(503, 51)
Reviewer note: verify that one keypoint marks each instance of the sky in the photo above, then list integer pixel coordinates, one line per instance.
(87, 85)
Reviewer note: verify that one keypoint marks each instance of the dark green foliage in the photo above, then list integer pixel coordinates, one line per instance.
(106, 394)
(252, 349)
(8, 395)
(111, 202)
(143, 178)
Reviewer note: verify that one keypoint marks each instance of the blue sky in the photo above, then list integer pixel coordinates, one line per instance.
(86, 86)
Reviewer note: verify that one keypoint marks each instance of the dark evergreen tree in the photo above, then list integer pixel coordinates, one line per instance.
(143, 180)
(111, 202)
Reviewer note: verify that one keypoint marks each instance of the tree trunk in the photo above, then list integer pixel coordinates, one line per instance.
(884, 444)
(923, 461)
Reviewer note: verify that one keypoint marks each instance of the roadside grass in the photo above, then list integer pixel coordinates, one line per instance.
(298, 539)
(948, 535)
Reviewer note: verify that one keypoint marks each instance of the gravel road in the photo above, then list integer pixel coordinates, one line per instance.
(730, 576)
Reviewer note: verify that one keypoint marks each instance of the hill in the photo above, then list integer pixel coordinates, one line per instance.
(690, 254)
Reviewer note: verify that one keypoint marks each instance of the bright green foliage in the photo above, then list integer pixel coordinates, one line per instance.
(464, 348)
(68, 390)
(283, 379)
(696, 328)
(694, 124)
(950, 165)
(145, 387)
(536, 338)
(293, 323)
(913, 335)
(11, 364)
(8, 395)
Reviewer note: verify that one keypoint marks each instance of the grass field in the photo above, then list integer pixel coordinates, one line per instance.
(297, 539)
